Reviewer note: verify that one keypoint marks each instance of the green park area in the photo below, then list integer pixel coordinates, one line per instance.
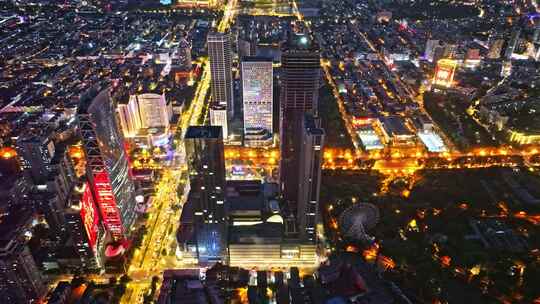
(450, 113)
(425, 228)
(332, 122)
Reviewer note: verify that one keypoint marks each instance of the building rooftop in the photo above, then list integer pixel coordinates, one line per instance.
(210, 132)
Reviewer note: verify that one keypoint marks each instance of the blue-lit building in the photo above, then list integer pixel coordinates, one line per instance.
(206, 165)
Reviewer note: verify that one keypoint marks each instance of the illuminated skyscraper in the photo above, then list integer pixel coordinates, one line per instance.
(143, 111)
(299, 96)
(107, 164)
(82, 221)
(257, 94)
(220, 55)
(206, 165)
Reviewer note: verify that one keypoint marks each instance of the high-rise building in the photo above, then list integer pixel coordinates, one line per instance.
(218, 118)
(82, 221)
(142, 112)
(20, 278)
(310, 177)
(220, 56)
(206, 165)
(257, 95)
(299, 96)
(107, 164)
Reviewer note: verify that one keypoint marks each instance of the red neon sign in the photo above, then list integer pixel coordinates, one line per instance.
(107, 204)
(89, 216)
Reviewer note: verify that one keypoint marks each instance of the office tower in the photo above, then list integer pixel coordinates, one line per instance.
(82, 221)
(298, 96)
(220, 56)
(512, 43)
(430, 48)
(206, 165)
(495, 49)
(107, 166)
(257, 97)
(20, 278)
(218, 118)
(310, 177)
(142, 112)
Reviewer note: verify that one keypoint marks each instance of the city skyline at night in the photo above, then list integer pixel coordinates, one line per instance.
(280, 151)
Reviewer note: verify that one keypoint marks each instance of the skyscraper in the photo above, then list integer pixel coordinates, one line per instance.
(20, 279)
(220, 55)
(107, 165)
(310, 177)
(299, 96)
(82, 221)
(257, 95)
(206, 165)
(143, 111)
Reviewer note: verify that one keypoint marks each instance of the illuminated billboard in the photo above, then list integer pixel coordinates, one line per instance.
(89, 217)
(444, 73)
(107, 204)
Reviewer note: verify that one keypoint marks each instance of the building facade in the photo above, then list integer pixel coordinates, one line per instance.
(218, 118)
(299, 96)
(82, 221)
(20, 278)
(220, 57)
(257, 94)
(310, 178)
(107, 165)
(142, 112)
(206, 165)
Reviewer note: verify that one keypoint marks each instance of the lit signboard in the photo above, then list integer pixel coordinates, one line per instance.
(444, 73)
(107, 204)
(89, 216)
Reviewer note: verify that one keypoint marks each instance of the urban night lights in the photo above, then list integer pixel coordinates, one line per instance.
(288, 152)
